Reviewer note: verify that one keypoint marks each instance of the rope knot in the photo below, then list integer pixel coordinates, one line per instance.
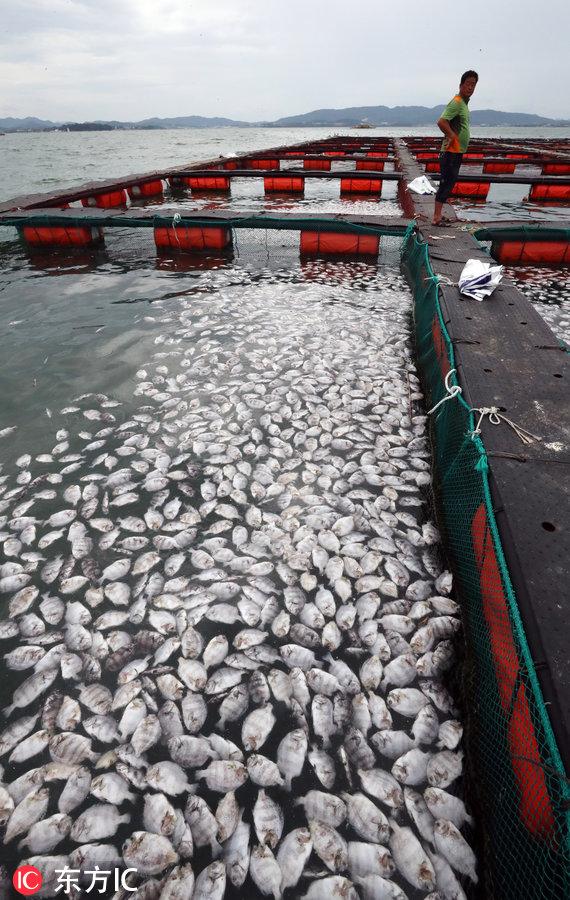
(452, 391)
(495, 418)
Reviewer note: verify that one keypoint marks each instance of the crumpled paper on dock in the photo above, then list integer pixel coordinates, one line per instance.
(479, 279)
(422, 185)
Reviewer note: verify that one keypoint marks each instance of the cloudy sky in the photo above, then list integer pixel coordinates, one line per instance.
(130, 59)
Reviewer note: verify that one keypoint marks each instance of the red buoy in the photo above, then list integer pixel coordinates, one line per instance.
(321, 165)
(214, 183)
(556, 169)
(560, 193)
(478, 189)
(182, 237)
(263, 164)
(337, 243)
(531, 253)
(499, 168)
(369, 165)
(106, 201)
(146, 189)
(284, 185)
(360, 186)
(61, 236)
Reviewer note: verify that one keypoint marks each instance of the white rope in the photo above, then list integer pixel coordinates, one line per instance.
(496, 417)
(452, 391)
(176, 219)
(441, 279)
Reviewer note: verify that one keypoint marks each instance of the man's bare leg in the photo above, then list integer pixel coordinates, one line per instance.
(437, 213)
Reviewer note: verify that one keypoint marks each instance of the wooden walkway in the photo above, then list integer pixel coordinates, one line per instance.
(507, 356)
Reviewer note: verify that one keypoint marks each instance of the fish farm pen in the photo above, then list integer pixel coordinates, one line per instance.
(290, 619)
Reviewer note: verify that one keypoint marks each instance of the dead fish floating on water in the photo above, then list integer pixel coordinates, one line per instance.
(228, 619)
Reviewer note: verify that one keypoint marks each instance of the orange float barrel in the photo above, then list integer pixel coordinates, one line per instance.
(320, 165)
(499, 168)
(335, 153)
(377, 154)
(183, 237)
(332, 243)
(61, 236)
(427, 155)
(263, 164)
(284, 185)
(360, 186)
(559, 193)
(107, 200)
(207, 183)
(478, 189)
(231, 164)
(531, 253)
(146, 189)
(556, 169)
(432, 166)
(369, 165)
(473, 156)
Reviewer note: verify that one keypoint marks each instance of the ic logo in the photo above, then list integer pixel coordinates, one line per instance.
(27, 880)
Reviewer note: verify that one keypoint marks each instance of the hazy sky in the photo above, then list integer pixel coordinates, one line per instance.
(130, 59)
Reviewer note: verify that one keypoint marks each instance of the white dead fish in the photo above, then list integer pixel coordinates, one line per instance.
(410, 858)
(452, 845)
(292, 855)
(149, 854)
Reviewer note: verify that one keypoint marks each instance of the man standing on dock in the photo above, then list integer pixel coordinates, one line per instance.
(454, 123)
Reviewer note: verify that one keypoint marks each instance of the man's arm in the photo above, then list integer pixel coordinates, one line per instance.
(443, 125)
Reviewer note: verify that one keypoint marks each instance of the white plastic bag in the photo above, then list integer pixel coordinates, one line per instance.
(479, 279)
(422, 185)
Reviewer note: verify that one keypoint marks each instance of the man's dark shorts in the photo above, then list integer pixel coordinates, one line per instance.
(449, 164)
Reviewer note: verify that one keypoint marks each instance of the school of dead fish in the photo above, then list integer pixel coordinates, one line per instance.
(226, 624)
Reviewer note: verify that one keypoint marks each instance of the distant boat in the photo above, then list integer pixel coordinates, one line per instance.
(364, 125)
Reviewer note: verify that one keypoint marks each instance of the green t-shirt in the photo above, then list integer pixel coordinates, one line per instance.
(457, 114)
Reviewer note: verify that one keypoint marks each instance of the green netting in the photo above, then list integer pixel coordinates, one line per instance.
(267, 221)
(518, 780)
(521, 232)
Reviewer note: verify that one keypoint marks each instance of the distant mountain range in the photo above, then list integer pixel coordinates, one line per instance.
(351, 116)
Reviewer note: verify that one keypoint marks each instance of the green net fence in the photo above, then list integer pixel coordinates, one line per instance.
(518, 778)
(522, 233)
